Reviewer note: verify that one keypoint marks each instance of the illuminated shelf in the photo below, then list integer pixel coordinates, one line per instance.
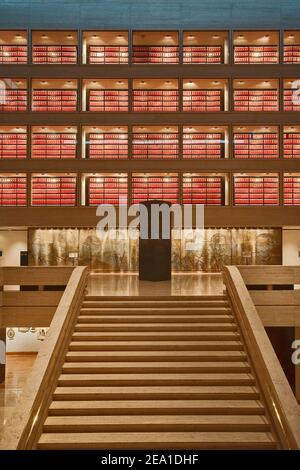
(199, 189)
(106, 189)
(13, 145)
(291, 190)
(107, 145)
(291, 100)
(108, 55)
(14, 100)
(54, 54)
(54, 100)
(203, 145)
(255, 145)
(203, 100)
(155, 54)
(13, 54)
(13, 191)
(291, 54)
(53, 145)
(256, 190)
(107, 100)
(155, 100)
(255, 54)
(291, 144)
(155, 145)
(255, 100)
(146, 187)
(53, 191)
(203, 55)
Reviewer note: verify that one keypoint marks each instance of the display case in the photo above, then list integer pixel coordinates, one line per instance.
(256, 189)
(54, 47)
(291, 47)
(106, 188)
(13, 190)
(205, 95)
(155, 142)
(53, 190)
(154, 186)
(291, 142)
(291, 189)
(105, 142)
(13, 47)
(155, 47)
(155, 95)
(256, 47)
(205, 47)
(53, 142)
(54, 95)
(13, 142)
(204, 189)
(105, 47)
(105, 95)
(255, 142)
(202, 142)
(291, 95)
(13, 95)
(256, 95)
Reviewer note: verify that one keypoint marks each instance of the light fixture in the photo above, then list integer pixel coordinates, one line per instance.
(119, 82)
(215, 36)
(43, 83)
(120, 36)
(291, 36)
(44, 36)
(94, 82)
(241, 36)
(142, 82)
(70, 36)
(190, 37)
(95, 36)
(18, 36)
(215, 82)
(267, 36)
(241, 83)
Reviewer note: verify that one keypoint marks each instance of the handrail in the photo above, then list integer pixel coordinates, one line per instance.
(280, 401)
(25, 422)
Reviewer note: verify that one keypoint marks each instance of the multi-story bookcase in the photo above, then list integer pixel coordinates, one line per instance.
(256, 54)
(54, 100)
(255, 100)
(107, 54)
(155, 145)
(203, 100)
(107, 100)
(53, 145)
(203, 54)
(13, 190)
(106, 189)
(155, 54)
(201, 189)
(151, 186)
(199, 145)
(53, 190)
(155, 100)
(13, 54)
(291, 54)
(256, 190)
(54, 54)
(255, 145)
(13, 100)
(291, 190)
(13, 145)
(291, 144)
(106, 145)
(291, 100)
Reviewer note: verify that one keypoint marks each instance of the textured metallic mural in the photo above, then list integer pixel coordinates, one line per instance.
(214, 249)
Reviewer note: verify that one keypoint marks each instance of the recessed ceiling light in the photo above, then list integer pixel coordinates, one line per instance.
(215, 82)
(95, 36)
(167, 82)
(241, 36)
(191, 81)
(168, 36)
(190, 36)
(267, 35)
(18, 35)
(120, 36)
(119, 82)
(69, 81)
(94, 82)
(215, 36)
(142, 82)
(291, 36)
(44, 36)
(70, 36)
(241, 83)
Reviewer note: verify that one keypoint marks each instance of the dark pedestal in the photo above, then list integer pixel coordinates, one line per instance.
(2, 353)
(154, 254)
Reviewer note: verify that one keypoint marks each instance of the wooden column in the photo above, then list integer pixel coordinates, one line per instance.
(2, 334)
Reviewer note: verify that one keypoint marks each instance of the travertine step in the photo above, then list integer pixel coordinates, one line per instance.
(153, 303)
(158, 440)
(125, 319)
(159, 298)
(148, 327)
(155, 346)
(156, 423)
(157, 336)
(140, 312)
(155, 393)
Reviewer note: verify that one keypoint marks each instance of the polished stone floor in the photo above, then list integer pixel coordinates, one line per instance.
(18, 367)
(181, 284)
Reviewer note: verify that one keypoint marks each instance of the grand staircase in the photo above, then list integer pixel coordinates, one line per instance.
(156, 373)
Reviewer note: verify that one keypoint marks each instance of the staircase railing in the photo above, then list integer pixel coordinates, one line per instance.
(24, 425)
(280, 401)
